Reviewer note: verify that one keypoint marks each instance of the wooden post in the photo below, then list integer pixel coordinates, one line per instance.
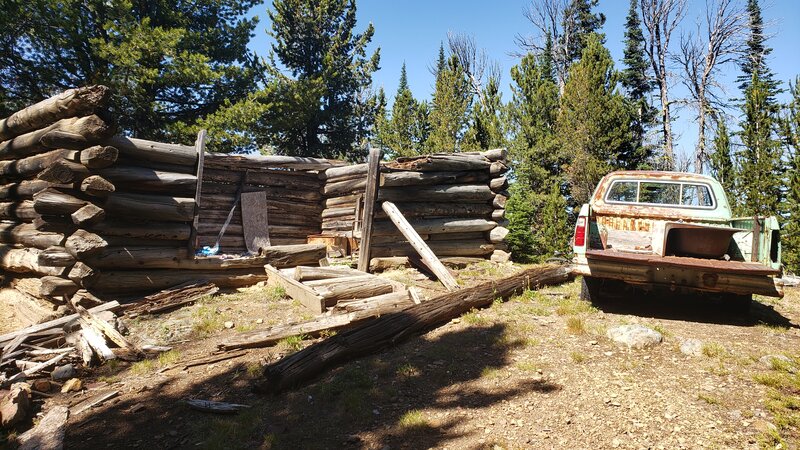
(425, 252)
(200, 145)
(371, 194)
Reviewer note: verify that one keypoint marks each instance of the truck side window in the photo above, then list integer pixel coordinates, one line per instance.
(696, 195)
(623, 191)
(659, 193)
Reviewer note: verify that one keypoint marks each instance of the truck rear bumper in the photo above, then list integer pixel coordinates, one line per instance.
(674, 277)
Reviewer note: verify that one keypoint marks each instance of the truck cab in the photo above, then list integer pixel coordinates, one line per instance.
(674, 231)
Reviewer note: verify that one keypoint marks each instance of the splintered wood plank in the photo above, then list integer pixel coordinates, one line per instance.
(200, 146)
(296, 290)
(370, 195)
(255, 226)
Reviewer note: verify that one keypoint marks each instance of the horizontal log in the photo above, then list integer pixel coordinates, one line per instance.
(440, 163)
(82, 244)
(469, 236)
(56, 256)
(63, 172)
(308, 273)
(338, 212)
(232, 244)
(23, 210)
(256, 162)
(498, 235)
(70, 103)
(27, 235)
(432, 226)
(99, 156)
(52, 201)
(333, 291)
(24, 190)
(498, 184)
(88, 215)
(275, 218)
(32, 165)
(124, 282)
(150, 230)
(56, 286)
(65, 140)
(442, 209)
(208, 228)
(498, 214)
(499, 201)
(439, 248)
(497, 168)
(142, 179)
(91, 127)
(182, 155)
(150, 207)
(344, 172)
(332, 188)
(226, 192)
(97, 186)
(470, 193)
(264, 177)
(25, 260)
(395, 179)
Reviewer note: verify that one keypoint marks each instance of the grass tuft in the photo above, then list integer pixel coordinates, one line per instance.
(413, 420)
(578, 357)
(713, 350)
(575, 325)
(293, 343)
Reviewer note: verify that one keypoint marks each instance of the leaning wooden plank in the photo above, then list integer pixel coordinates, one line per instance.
(296, 290)
(92, 402)
(215, 407)
(425, 252)
(355, 312)
(393, 328)
(55, 323)
(33, 370)
(48, 433)
(370, 195)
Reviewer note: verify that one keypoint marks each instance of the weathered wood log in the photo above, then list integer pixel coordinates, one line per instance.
(495, 154)
(141, 281)
(151, 230)
(63, 172)
(207, 228)
(391, 329)
(498, 234)
(371, 194)
(344, 187)
(26, 189)
(343, 200)
(142, 179)
(25, 260)
(439, 163)
(306, 273)
(150, 207)
(182, 155)
(442, 209)
(386, 263)
(83, 244)
(468, 236)
(91, 127)
(23, 210)
(441, 225)
(56, 256)
(52, 201)
(467, 193)
(440, 248)
(48, 433)
(217, 194)
(499, 201)
(97, 186)
(70, 103)
(32, 165)
(339, 211)
(498, 184)
(27, 235)
(295, 289)
(498, 214)
(236, 244)
(53, 324)
(276, 178)
(65, 140)
(256, 162)
(56, 287)
(87, 319)
(99, 156)
(355, 312)
(88, 215)
(348, 288)
(497, 168)
(343, 172)
(394, 179)
(172, 298)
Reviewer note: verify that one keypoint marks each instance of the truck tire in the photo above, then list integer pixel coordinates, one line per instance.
(590, 289)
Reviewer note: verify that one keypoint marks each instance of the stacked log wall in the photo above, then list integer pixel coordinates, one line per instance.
(456, 202)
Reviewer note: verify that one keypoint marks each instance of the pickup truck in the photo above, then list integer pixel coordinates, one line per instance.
(674, 231)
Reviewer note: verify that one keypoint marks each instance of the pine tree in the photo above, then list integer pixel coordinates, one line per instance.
(171, 63)
(402, 138)
(760, 158)
(755, 57)
(790, 235)
(593, 121)
(638, 85)
(579, 23)
(722, 163)
(486, 128)
(556, 234)
(451, 103)
(318, 109)
(382, 124)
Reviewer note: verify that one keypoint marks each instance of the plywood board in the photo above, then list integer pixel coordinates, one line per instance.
(255, 226)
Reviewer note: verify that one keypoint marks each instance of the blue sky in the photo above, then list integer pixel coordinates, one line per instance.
(410, 31)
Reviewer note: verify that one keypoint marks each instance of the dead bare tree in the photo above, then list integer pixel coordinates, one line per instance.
(716, 42)
(660, 18)
(547, 18)
(474, 62)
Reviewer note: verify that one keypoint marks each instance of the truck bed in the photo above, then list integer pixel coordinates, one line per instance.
(707, 265)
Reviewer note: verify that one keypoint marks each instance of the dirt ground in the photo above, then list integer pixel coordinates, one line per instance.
(535, 372)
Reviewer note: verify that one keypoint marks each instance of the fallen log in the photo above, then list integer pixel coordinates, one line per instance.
(355, 312)
(348, 288)
(172, 298)
(48, 433)
(53, 324)
(70, 103)
(391, 329)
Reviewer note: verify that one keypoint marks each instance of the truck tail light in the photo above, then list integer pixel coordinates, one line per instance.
(580, 232)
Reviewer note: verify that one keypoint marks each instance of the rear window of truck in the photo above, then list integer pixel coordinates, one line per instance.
(677, 194)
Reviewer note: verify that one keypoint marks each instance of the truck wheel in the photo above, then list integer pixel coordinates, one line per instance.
(739, 303)
(590, 289)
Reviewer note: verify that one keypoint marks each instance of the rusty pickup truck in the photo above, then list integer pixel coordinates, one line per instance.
(674, 231)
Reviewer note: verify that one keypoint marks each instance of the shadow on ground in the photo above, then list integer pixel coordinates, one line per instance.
(387, 399)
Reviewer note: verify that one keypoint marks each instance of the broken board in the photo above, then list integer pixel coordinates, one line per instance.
(255, 226)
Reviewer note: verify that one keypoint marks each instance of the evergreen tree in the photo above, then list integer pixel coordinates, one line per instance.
(579, 23)
(638, 85)
(755, 57)
(382, 124)
(722, 163)
(790, 235)
(760, 158)
(593, 121)
(556, 234)
(451, 103)
(422, 131)
(402, 138)
(170, 63)
(318, 110)
(486, 128)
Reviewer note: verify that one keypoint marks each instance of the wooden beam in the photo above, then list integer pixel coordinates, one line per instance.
(371, 194)
(200, 145)
(428, 257)
(296, 290)
(55, 323)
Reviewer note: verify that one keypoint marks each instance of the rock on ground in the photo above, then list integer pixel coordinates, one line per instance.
(692, 347)
(15, 404)
(635, 336)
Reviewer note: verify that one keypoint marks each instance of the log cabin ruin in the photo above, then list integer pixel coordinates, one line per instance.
(86, 210)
